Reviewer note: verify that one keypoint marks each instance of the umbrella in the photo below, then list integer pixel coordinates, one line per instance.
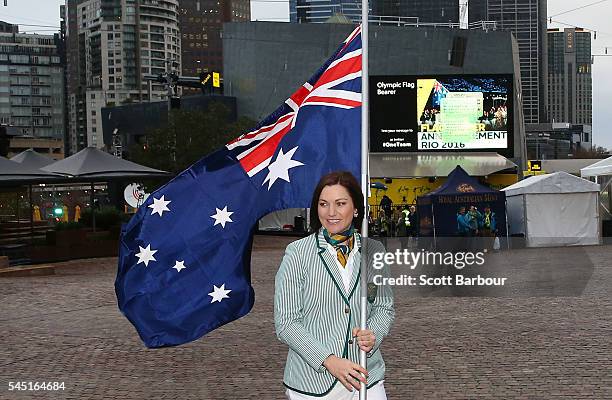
(37, 214)
(32, 159)
(92, 164)
(14, 173)
(378, 185)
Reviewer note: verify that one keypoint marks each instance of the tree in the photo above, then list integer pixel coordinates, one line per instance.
(594, 152)
(187, 137)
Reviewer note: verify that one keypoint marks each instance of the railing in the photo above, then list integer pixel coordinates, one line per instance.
(409, 21)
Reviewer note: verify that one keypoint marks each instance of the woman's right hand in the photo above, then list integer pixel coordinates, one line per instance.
(346, 371)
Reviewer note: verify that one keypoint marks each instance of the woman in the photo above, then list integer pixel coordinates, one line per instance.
(317, 296)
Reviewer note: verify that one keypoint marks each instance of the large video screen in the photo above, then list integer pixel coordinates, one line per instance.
(441, 113)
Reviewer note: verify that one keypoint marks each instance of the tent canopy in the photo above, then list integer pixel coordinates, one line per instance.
(559, 182)
(438, 209)
(14, 173)
(601, 167)
(32, 159)
(460, 182)
(93, 164)
(402, 165)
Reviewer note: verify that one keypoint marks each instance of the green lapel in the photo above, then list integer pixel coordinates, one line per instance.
(356, 266)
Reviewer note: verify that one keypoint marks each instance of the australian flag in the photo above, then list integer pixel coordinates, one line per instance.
(184, 262)
(439, 93)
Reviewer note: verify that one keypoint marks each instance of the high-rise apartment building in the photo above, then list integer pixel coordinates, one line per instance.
(110, 46)
(201, 23)
(316, 11)
(526, 19)
(569, 76)
(31, 84)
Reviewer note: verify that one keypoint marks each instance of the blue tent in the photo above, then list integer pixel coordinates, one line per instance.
(438, 210)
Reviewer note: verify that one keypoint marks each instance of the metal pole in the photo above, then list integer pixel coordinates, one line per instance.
(31, 213)
(433, 226)
(507, 224)
(93, 210)
(365, 181)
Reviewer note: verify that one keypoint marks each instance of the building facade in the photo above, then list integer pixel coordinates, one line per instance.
(265, 62)
(570, 91)
(201, 23)
(31, 85)
(526, 19)
(111, 45)
(547, 141)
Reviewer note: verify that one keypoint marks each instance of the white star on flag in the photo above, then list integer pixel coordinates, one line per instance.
(179, 266)
(279, 169)
(159, 206)
(222, 216)
(219, 293)
(145, 255)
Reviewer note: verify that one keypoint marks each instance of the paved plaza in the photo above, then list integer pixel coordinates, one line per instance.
(553, 341)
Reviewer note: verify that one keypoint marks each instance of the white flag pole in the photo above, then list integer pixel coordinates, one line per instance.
(365, 180)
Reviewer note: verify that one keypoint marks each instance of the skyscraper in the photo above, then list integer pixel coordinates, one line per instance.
(201, 22)
(31, 84)
(110, 46)
(313, 11)
(569, 76)
(526, 19)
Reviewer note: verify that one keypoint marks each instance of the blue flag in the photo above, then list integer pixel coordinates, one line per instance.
(184, 258)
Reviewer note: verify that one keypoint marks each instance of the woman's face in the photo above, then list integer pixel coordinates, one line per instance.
(335, 208)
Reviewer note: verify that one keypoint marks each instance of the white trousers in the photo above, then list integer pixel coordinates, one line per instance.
(339, 392)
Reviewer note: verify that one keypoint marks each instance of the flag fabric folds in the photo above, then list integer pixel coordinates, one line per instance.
(184, 259)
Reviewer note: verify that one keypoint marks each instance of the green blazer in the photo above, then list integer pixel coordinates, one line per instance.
(314, 314)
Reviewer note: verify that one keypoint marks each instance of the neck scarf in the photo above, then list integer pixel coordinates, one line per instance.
(337, 240)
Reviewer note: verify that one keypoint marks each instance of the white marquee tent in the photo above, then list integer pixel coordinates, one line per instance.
(600, 168)
(556, 209)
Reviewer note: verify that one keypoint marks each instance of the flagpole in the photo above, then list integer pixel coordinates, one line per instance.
(365, 180)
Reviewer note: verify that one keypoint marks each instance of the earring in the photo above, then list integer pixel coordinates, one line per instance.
(356, 214)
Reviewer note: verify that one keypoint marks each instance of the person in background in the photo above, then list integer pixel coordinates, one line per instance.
(413, 220)
(383, 224)
(385, 204)
(473, 216)
(403, 226)
(463, 228)
(488, 225)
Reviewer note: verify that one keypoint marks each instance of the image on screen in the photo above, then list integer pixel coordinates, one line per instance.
(463, 113)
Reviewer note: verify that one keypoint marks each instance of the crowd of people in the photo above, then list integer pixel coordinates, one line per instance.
(471, 222)
(394, 221)
(495, 118)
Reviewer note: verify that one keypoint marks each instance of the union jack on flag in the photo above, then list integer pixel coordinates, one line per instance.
(440, 92)
(184, 262)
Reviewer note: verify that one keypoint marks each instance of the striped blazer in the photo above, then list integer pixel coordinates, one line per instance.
(314, 314)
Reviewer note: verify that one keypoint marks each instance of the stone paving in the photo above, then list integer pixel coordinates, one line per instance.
(67, 328)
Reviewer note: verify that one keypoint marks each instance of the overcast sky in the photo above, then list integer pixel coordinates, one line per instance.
(595, 18)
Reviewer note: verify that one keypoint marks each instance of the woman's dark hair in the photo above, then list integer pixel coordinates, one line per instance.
(345, 179)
